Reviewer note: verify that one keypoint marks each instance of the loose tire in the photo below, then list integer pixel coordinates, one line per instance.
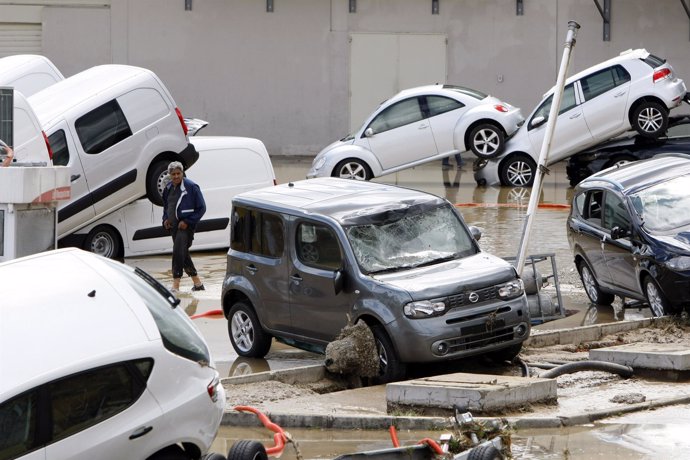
(352, 168)
(484, 452)
(592, 287)
(650, 119)
(656, 299)
(518, 171)
(486, 140)
(246, 335)
(156, 180)
(247, 450)
(103, 241)
(390, 367)
(173, 452)
(213, 456)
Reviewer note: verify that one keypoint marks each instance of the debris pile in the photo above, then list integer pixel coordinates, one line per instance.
(353, 352)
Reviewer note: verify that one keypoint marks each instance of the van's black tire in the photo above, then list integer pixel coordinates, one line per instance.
(490, 138)
(247, 450)
(156, 181)
(104, 241)
(650, 119)
(390, 367)
(485, 452)
(246, 334)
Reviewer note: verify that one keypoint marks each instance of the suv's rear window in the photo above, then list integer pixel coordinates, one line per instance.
(654, 61)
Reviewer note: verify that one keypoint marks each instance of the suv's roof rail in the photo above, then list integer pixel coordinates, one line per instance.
(615, 183)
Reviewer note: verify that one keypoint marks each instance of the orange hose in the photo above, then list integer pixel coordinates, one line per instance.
(279, 437)
(433, 444)
(208, 313)
(394, 436)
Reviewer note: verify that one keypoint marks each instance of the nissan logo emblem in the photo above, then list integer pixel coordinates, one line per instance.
(473, 297)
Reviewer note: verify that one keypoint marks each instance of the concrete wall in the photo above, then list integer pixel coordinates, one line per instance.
(283, 77)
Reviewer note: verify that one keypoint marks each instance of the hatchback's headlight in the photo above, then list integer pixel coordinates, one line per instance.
(424, 308)
(679, 263)
(511, 289)
(318, 164)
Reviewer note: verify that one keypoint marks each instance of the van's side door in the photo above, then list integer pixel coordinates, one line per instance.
(78, 210)
(315, 309)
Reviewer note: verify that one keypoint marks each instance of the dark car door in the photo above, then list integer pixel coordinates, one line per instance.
(618, 255)
(590, 235)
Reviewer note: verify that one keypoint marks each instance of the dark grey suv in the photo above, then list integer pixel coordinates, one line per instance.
(629, 230)
(307, 256)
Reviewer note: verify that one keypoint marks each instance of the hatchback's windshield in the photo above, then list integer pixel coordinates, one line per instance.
(411, 240)
(664, 206)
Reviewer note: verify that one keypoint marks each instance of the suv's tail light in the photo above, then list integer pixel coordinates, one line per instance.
(50, 151)
(501, 108)
(661, 74)
(184, 125)
(211, 388)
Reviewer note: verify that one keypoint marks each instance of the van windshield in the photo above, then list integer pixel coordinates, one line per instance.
(413, 239)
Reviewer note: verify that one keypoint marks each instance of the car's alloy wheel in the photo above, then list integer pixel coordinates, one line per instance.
(592, 287)
(518, 171)
(246, 335)
(486, 141)
(352, 168)
(650, 119)
(657, 302)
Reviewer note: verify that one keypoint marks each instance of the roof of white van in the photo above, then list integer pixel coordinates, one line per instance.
(222, 142)
(101, 81)
(340, 199)
(62, 308)
(19, 64)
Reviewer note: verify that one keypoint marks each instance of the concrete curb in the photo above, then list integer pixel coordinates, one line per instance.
(577, 335)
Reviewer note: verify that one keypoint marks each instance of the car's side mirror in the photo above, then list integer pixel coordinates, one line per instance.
(537, 121)
(618, 233)
(476, 232)
(368, 132)
(338, 281)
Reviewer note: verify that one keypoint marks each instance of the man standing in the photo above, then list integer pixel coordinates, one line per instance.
(183, 207)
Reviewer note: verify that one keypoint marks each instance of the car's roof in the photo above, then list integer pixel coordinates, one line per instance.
(17, 64)
(64, 309)
(637, 175)
(341, 199)
(438, 89)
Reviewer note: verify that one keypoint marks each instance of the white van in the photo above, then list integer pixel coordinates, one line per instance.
(226, 166)
(117, 127)
(29, 143)
(28, 73)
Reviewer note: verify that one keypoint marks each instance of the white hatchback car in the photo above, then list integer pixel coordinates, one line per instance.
(418, 125)
(97, 362)
(633, 90)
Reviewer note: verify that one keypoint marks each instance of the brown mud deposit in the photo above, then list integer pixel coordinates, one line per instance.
(353, 352)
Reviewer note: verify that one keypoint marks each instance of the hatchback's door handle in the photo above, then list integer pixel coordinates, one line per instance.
(140, 432)
(423, 126)
(74, 177)
(622, 93)
(575, 115)
(252, 268)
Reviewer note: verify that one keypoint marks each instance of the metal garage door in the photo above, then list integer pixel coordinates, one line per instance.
(383, 64)
(20, 38)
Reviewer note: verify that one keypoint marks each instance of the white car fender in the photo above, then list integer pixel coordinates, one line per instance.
(341, 152)
(470, 117)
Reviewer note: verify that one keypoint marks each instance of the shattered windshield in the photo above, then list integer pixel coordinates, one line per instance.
(410, 239)
(664, 206)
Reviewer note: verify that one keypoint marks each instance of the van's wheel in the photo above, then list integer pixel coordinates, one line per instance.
(390, 367)
(650, 119)
(103, 241)
(352, 168)
(518, 171)
(247, 450)
(156, 181)
(592, 287)
(246, 335)
(486, 140)
(173, 452)
(485, 452)
(656, 299)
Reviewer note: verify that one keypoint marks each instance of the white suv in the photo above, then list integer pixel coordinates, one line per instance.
(99, 363)
(633, 90)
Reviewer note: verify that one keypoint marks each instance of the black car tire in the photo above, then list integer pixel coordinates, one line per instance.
(156, 182)
(247, 450)
(486, 140)
(104, 241)
(656, 299)
(518, 171)
(592, 287)
(650, 119)
(246, 334)
(213, 456)
(485, 452)
(352, 168)
(390, 367)
(505, 354)
(173, 452)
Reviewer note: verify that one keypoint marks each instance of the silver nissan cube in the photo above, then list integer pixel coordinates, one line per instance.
(308, 257)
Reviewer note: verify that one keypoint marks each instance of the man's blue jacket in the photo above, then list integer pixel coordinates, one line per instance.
(191, 205)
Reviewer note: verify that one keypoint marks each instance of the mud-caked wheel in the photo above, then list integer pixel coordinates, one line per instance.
(390, 367)
(246, 334)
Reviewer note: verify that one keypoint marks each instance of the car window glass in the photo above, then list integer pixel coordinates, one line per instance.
(438, 105)
(615, 213)
(397, 115)
(593, 207)
(620, 75)
(272, 239)
(597, 83)
(58, 144)
(18, 426)
(665, 206)
(143, 107)
(83, 400)
(579, 203)
(102, 128)
(653, 61)
(240, 220)
(317, 246)
(567, 103)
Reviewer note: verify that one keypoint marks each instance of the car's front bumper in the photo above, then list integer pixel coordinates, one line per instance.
(486, 171)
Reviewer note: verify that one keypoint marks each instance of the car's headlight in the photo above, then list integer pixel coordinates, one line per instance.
(479, 164)
(318, 163)
(424, 309)
(511, 289)
(679, 263)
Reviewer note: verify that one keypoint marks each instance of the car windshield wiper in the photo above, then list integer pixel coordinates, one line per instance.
(154, 283)
(438, 261)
